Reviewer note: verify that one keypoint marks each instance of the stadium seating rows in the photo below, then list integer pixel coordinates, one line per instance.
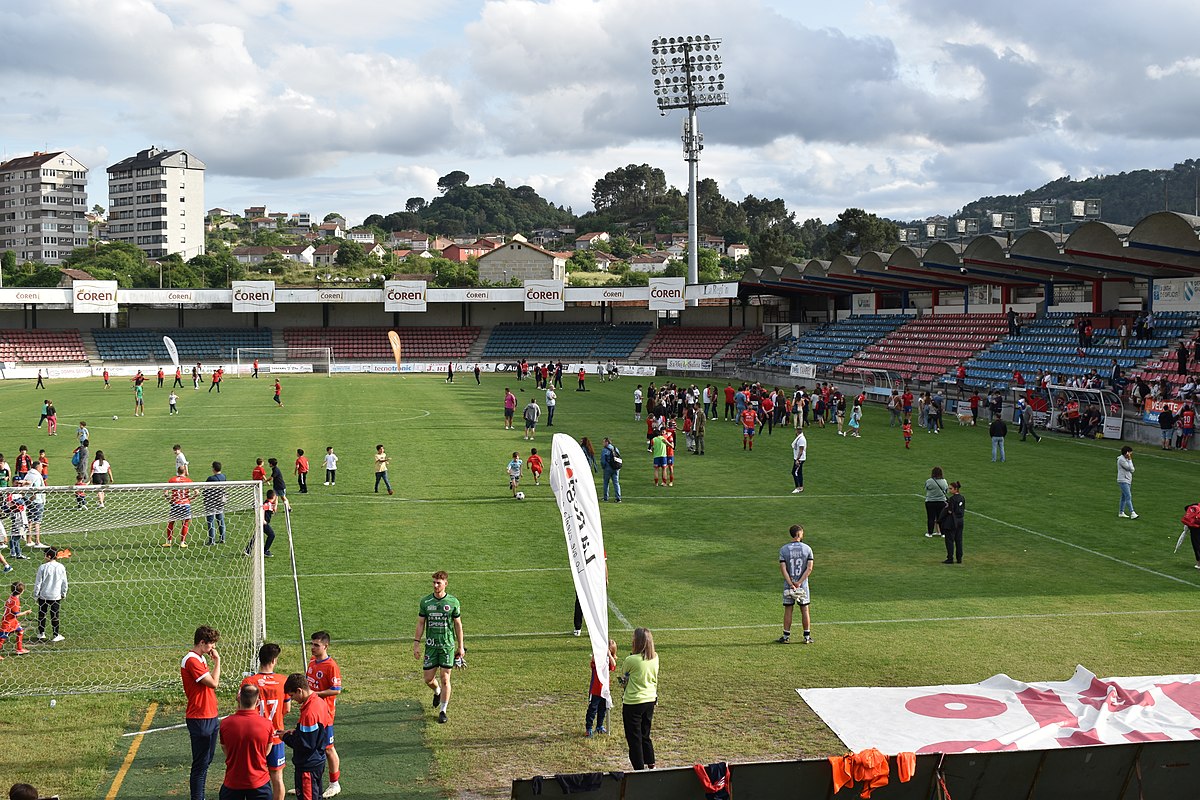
(749, 343)
(678, 342)
(832, 343)
(372, 343)
(565, 340)
(194, 344)
(929, 346)
(1051, 343)
(36, 346)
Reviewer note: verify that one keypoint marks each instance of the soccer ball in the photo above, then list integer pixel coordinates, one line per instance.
(114, 416)
(520, 495)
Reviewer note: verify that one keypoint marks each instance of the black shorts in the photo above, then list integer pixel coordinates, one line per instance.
(100, 478)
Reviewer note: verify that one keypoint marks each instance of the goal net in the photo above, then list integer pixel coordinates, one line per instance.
(281, 360)
(132, 606)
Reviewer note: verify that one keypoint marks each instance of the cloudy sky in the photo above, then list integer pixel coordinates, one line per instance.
(903, 107)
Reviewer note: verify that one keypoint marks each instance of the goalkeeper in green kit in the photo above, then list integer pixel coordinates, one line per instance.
(439, 626)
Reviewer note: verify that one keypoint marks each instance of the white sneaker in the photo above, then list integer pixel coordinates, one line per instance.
(326, 483)
(579, 632)
(333, 789)
(796, 490)
(1133, 515)
(58, 638)
(1123, 515)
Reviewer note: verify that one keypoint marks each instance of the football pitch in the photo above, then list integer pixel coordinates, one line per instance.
(1051, 577)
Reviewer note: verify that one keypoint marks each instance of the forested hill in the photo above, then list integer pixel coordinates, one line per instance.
(1125, 197)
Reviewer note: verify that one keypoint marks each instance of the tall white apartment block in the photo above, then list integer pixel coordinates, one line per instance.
(43, 198)
(156, 201)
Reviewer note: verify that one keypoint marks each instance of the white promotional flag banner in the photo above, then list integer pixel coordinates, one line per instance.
(172, 350)
(1001, 713)
(573, 487)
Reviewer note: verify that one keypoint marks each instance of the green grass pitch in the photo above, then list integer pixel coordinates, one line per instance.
(1052, 577)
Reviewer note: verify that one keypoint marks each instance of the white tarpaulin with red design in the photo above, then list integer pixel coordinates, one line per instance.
(1005, 714)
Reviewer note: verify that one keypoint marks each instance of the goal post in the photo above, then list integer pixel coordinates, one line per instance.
(282, 360)
(132, 605)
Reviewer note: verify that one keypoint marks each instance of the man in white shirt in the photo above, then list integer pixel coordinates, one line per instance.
(50, 589)
(799, 456)
(551, 399)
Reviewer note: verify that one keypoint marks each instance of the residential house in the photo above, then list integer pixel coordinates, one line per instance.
(338, 220)
(218, 212)
(332, 230)
(589, 239)
(522, 261)
(712, 242)
(737, 251)
(254, 211)
(604, 260)
(410, 239)
(439, 243)
(651, 263)
(675, 251)
(300, 219)
(262, 224)
(251, 254)
(362, 237)
(375, 251)
(324, 254)
(462, 252)
(300, 253)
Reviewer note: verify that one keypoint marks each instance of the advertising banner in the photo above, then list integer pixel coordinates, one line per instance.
(253, 296)
(690, 364)
(1002, 713)
(575, 491)
(666, 294)
(803, 370)
(94, 297)
(544, 295)
(864, 303)
(405, 296)
(696, 291)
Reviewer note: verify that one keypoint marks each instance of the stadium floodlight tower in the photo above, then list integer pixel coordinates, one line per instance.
(687, 74)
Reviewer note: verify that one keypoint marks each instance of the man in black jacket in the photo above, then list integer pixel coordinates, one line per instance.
(997, 430)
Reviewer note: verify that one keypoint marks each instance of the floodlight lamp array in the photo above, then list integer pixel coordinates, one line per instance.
(687, 72)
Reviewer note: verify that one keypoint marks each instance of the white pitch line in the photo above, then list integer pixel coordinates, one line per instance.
(843, 622)
(620, 616)
(1089, 551)
(288, 576)
(627, 496)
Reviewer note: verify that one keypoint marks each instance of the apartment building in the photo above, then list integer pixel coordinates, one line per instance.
(43, 199)
(156, 201)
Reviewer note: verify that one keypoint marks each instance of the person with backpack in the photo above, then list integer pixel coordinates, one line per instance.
(611, 463)
(79, 460)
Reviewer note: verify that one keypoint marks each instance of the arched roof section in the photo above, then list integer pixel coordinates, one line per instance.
(843, 265)
(905, 256)
(1094, 236)
(815, 268)
(1169, 237)
(876, 262)
(992, 249)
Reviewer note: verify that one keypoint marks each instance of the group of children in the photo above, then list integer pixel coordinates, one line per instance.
(515, 467)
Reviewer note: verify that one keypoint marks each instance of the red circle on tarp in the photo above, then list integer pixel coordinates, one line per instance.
(936, 705)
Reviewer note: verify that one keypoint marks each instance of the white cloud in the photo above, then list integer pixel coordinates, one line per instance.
(899, 106)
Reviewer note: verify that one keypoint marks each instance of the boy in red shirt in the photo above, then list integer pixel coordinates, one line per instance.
(180, 509)
(597, 706)
(309, 740)
(10, 623)
(302, 471)
(259, 473)
(246, 737)
(749, 420)
(325, 679)
(534, 462)
(200, 686)
(906, 429)
(272, 703)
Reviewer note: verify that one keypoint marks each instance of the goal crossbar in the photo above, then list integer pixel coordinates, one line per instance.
(282, 360)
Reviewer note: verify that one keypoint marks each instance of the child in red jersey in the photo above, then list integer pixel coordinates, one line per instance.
(273, 703)
(906, 429)
(534, 462)
(10, 622)
(597, 706)
(302, 471)
(259, 473)
(325, 679)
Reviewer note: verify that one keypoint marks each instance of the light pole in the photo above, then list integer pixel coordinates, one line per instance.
(687, 74)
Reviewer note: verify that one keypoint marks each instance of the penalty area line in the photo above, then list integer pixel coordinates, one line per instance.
(1089, 551)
